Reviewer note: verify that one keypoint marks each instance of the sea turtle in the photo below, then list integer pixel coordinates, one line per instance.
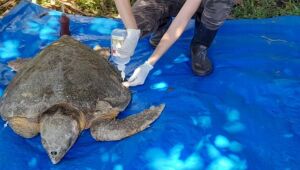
(65, 89)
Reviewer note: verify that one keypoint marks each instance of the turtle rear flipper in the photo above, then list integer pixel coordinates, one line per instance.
(104, 52)
(18, 64)
(111, 130)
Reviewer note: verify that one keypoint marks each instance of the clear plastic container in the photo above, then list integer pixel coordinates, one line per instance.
(117, 39)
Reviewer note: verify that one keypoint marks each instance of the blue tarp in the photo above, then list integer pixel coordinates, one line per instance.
(243, 116)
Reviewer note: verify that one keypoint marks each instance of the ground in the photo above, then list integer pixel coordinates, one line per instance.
(243, 9)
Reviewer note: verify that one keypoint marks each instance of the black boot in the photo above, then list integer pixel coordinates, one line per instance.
(159, 33)
(203, 37)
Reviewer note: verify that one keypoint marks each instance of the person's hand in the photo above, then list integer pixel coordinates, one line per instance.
(139, 75)
(130, 43)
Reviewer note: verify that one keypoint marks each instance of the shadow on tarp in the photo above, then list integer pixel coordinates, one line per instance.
(243, 116)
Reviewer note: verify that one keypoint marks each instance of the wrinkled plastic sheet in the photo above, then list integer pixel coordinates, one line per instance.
(243, 116)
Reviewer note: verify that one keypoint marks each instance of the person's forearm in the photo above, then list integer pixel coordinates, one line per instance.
(176, 29)
(124, 9)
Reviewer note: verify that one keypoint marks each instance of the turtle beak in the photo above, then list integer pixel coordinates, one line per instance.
(55, 156)
(53, 160)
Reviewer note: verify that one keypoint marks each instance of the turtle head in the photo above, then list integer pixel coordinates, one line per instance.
(59, 131)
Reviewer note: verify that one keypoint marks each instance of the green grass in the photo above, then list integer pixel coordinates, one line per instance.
(99, 7)
(266, 8)
(247, 9)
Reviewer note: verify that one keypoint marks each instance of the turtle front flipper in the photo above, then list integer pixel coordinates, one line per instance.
(111, 130)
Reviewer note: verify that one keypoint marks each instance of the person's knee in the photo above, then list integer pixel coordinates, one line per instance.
(216, 12)
(148, 14)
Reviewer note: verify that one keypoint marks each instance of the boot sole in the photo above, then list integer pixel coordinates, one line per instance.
(202, 73)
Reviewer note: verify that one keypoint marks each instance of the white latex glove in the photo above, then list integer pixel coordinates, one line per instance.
(130, 43)
(139, 75)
